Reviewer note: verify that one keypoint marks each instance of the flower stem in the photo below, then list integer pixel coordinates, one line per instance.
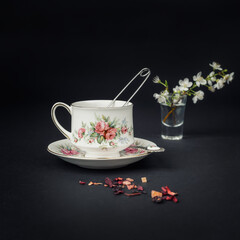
(169, 113)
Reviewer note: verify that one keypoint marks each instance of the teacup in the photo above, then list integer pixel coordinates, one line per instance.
(99, 130)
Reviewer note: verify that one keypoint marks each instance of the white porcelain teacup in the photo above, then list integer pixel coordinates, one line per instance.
(99, 130)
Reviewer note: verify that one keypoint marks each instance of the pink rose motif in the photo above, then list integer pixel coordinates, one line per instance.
(112, 130)
(101, 127)
(91, 140)
(69, 152)
(131, 150)
(65, 151)
(124, 130)
(80, 132)
(74, 152)
(111, 133)
(75, 140)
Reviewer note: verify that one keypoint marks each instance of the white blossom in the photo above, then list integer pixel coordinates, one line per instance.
(216, 66)
(228, 77)
(165, 93)
(184, 84)
(199, 79)
(211, 89)
(213, 79)
(156, 79)
(161, 98)
(176, 89)
(211, 74)
(219, 84)
(199, 95)
(156, 95)
(176, 98)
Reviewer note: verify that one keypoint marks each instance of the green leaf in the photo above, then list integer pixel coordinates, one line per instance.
(111, 124)
(92, 124)
(94, 134)
(100, 139)
(104, 118)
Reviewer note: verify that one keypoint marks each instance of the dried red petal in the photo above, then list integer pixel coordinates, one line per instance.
(140, 188)
(132, 194)
(164, 193)
(120, 182)
(164, 190)
(169, 192)
(169, 198)
(118, 179)
(108, 181)
(175, 199)
(82, 183)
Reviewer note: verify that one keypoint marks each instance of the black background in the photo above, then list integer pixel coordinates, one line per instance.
(67, 51)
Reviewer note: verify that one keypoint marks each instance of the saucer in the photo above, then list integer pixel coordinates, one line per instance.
(140, 149)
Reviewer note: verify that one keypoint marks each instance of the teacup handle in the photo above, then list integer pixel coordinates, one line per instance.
(66, 133)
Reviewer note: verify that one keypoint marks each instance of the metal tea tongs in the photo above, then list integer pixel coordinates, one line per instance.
(145, 72)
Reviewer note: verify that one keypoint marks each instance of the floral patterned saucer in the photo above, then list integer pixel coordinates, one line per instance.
(65, 150)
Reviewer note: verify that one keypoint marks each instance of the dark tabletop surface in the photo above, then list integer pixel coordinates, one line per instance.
(42, 199)
(54, 51)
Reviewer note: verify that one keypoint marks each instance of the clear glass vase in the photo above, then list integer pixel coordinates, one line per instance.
(172, 119)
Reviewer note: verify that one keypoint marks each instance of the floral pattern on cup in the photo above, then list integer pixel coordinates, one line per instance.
(104, 131)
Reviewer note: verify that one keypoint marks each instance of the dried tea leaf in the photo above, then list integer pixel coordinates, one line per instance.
(130, 187)
(132, 194)
(118, 192)
(130, 179)
(144, 179)
(108, 181)
(117, 188)
(155, 194)
(97, 183)
(157, 199)
(126, 182)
